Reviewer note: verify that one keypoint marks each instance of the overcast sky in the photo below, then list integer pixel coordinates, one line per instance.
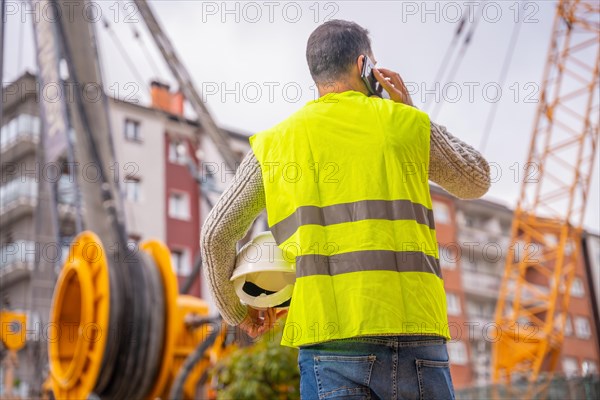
(248, 59)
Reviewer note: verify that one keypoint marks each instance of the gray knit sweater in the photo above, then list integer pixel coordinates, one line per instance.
(454, 165)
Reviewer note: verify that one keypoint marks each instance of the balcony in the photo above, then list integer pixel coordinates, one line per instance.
(529, 292)
(481, 284)
(16, 261)
(15, 272)
(17, 199)
(480, 321)
(19, 137)
(482, 236)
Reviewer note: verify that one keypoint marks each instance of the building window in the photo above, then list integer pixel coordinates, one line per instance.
(132, 130)
(441, 212)
(568, 326)
(589, 367)
(480, 309)
(457, 351)
(492, 225)
(209, 177)
(570, 366)
(178, 152)
(28, 124)
(582, 328)
(469, 264)
(180, 261)
(470, 222)
(453, 302)
(179, 205)
(132, 190)
(447, 258)
(577, 289)
(133, 243)
(66, 192)
(13, 129)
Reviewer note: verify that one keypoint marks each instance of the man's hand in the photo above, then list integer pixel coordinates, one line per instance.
(394, 85)
(258, 322)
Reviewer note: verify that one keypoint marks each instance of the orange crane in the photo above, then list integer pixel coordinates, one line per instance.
(547, 227)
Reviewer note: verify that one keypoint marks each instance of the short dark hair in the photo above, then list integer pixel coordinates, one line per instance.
(333, 47)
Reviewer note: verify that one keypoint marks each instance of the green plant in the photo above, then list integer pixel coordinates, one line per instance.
(263, 370)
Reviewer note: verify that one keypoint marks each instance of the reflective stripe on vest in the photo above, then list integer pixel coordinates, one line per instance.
(348, 212)
(368, 260)
(347, 198)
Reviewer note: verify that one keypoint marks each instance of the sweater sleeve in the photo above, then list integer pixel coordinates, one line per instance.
(457, 167)
(227, 223)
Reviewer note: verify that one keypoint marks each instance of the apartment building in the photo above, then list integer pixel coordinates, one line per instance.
(474, 237)
(169, 173)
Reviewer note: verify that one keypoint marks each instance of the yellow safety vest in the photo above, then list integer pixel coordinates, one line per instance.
(347, 197)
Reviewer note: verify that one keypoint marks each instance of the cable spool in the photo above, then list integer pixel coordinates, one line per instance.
(115, 322)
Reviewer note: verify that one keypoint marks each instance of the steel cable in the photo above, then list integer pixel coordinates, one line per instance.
(503, 74)
(448, 55)
(137, 322)
(459, 58)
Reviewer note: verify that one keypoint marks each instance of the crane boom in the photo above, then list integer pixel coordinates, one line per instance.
(548, 221)
(186, 85)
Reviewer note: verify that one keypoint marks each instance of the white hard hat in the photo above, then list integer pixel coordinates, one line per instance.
(262, 277)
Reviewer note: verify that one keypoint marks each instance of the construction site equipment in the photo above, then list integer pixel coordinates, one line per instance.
(263, 277)
(12, 339)
(12, 330)
(130, 348)
(547, 227)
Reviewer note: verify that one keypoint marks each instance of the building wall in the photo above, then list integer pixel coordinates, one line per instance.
(592, 241)
(183, 234)
(18, 165)
(458, 348)
(144, 160)
(483, 231)
(579, 354)
(483, 237)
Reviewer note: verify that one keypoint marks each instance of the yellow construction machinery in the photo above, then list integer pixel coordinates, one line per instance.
(12, 339)
(88, 352)
(547, 226)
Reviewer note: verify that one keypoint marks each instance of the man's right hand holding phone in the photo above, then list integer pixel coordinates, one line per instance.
(394, 85)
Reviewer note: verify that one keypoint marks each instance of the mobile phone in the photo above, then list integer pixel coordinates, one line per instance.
(368, 77)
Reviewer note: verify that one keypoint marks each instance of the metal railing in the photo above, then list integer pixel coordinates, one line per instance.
(22, 127)
(26, 190)
(18, 190)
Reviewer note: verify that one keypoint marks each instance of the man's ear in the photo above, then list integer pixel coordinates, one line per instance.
(359, 62)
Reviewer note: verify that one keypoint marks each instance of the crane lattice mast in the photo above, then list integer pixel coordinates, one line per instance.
(548, 221)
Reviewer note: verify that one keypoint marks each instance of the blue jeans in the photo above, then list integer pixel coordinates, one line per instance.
(376, 367)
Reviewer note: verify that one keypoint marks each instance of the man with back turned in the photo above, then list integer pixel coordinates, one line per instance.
(368, 311)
